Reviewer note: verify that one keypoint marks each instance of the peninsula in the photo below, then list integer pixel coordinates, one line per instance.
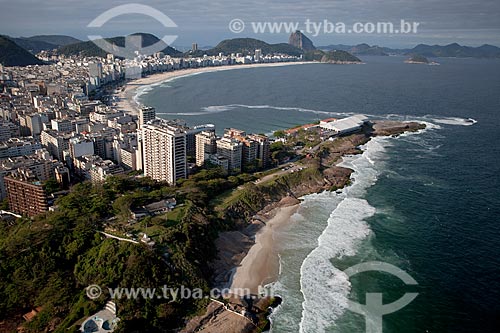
(247, 257)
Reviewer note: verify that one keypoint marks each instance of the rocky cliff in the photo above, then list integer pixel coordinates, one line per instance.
(299, 40)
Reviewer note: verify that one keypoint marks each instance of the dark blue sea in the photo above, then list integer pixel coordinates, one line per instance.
(428, 203)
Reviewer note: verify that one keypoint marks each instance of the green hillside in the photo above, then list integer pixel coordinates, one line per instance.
(249, 45)
(335, 56)
(89, 49)
(12, 54)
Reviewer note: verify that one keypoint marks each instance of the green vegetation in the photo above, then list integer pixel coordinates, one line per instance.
(279, 134)
(51, 186)
(456, 50)
(417, 58)
(36, 44)
(240, 205)
(50, 260)
(12, 54)
(248, 46)
(89, 49)
(334, 56)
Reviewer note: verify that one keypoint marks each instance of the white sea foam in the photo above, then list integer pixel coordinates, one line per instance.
(431, 121)
(325, 288)
(454, 121)
(145, 89)
(229, 107)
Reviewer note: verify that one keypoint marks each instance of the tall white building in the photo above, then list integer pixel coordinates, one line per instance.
(258, 55)
(205, 146)
(232, 150)
(164, 152)
(80, 146)
(95, 69)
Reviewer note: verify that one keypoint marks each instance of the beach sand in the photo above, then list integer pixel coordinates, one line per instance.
(261, 265)
(125, 98)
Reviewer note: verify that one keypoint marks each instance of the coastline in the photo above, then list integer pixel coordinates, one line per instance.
(248, 257)
(125, 98)
(261, 264)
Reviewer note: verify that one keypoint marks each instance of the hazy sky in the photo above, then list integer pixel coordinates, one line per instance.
(206, 22)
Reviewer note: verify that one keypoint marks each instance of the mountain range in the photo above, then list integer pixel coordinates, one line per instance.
(248, 46)
(451, 50)
(36, 44)
(89, 49)
(19, 51)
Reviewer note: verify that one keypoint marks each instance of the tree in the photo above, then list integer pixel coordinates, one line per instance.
(52, 186)
(279, 134)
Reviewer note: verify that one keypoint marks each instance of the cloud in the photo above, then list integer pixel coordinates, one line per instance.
(206, 21)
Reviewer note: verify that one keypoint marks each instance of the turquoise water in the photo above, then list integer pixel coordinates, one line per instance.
(427, 203)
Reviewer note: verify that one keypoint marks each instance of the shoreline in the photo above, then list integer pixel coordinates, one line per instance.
(254, 261)
(261, 264)
(248, 257)
(126, 97)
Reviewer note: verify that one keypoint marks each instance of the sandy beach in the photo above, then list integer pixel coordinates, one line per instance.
(261, 264)
(125, 98)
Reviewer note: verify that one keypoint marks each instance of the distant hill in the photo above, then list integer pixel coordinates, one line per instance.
(362, 49)
(89, 49)
(365, 49)
(12, 54)
(334, 56)
(451, 50)
(417, 59)
(456, 50)
(59, 40)
(300, 41)
(36, 44)
(248, 46)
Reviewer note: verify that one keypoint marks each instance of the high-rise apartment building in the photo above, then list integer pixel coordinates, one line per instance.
(232, 150)
(206, 145)
(146, 113)
(263, 149)
(191, 136)
(164, 152)
(26, 195)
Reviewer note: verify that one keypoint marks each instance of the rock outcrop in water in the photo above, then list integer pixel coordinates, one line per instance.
(417, 59)
(299, 40)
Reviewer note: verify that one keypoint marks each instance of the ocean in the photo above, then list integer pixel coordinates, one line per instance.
(428, 203)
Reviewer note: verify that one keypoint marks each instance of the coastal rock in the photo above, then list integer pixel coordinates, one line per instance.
(387, 128)
(299, 40)
(417, 59)
(321, 173)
